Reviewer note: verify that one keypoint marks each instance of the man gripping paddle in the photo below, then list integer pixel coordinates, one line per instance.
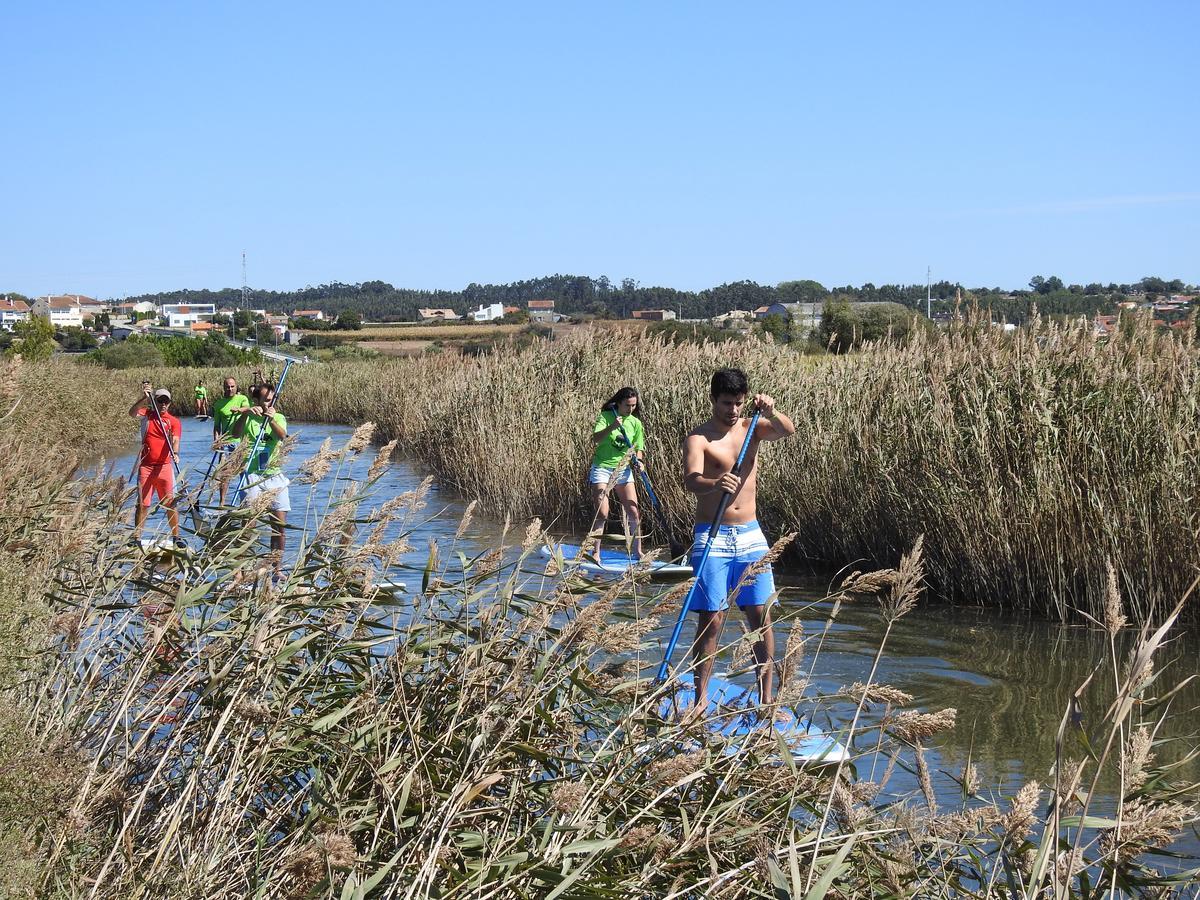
(709, 454)
(229, 404)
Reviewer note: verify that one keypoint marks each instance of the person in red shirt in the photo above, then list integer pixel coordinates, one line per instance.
(156, 461)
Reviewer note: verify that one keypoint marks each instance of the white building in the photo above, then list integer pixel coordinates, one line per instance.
(182, 315)
(12, 311)
(141, 308)
(488, 313)
(315, 314)
(63, 312)
(90, 308)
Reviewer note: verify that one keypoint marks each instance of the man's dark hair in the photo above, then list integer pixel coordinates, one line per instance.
(729, 381)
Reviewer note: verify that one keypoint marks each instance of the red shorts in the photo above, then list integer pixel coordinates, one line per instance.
(158, 480)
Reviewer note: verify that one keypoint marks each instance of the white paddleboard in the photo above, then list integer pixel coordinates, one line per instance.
(732, 713)
(613, 562)
(150, 544)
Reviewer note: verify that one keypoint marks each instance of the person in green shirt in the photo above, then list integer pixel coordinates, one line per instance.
(230, 404)
(617, 429)
(201, 401)
(264, 473)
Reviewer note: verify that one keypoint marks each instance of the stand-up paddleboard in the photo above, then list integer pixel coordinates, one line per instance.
(613, 562)
(732, 712)
(203, 418)
(149, 545)
(391, 585)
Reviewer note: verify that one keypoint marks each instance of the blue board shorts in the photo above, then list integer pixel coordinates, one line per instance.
(602, 475)
(735, 549)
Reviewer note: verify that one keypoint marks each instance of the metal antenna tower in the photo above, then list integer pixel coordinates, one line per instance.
(245, 290)
(928, 296)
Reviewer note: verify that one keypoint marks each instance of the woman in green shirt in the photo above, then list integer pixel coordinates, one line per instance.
(617, 430)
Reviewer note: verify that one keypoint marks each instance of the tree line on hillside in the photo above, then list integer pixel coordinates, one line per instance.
(380, 301)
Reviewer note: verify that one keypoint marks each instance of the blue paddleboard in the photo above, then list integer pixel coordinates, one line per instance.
(732, 713)
(613, 562)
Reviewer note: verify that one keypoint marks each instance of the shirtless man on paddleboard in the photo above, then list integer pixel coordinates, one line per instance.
(709, 453)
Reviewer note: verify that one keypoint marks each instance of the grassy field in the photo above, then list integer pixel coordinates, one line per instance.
(418, 331)
(199, 731)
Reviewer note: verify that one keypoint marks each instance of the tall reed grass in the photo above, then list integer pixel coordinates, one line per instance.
(186, 727)
(1024, 459)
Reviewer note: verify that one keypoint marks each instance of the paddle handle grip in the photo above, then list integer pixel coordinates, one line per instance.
(664, 669)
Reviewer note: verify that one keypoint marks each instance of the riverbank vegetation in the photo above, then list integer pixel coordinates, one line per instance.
(188, 727)
(147, 351)
(1023, 457)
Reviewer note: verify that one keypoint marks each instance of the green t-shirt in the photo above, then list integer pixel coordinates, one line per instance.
(222, 420)
(265, 462)
(201, 392)
(610, 450)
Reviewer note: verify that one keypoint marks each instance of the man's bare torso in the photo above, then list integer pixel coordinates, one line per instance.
(719, 454)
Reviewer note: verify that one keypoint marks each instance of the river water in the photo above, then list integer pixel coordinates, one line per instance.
(1009, 676)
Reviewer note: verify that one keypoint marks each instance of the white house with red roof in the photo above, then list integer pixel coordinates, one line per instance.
(63, 311)
(12, 311)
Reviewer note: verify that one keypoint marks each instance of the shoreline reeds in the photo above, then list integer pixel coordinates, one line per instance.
(175, 735)
(1022, 457)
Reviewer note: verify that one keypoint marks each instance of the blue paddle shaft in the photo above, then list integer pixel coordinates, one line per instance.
(644, 476)
(664, 669)
(262, 431)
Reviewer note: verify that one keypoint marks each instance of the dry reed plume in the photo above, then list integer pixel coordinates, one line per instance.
(1022, 459)
(477, 739)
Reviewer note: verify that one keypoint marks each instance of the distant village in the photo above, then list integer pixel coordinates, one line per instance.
(118, 320)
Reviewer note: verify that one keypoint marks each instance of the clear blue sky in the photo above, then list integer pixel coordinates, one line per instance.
(684, 144)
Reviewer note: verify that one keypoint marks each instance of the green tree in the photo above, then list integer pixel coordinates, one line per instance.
(841, 326)
(777, 327)
(73, 338)
(349, 320)
(35, 338)
(132, 353)
(883, 319)
(347, 351)
(805, 291)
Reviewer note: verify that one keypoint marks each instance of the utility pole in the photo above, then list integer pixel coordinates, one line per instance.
(928, 295)
(245, 303)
